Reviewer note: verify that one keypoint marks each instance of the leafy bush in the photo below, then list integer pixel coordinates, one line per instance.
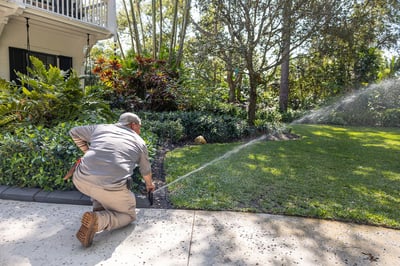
(214, 127)
(10, 107)
(46, 96)
(167, 131)
(376, 105)
(38, 157)
(138, 83)
(391, 117)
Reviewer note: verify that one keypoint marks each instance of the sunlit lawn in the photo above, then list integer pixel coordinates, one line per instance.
(340, 173)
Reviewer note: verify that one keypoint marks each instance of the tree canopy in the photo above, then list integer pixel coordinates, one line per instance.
(309, 50)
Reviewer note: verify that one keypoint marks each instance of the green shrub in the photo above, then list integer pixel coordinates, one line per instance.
(214, 127)
(391, 118)
(138, 83)
(10, 107)
(39, 157)
(48, 96)
(171, 131)
(376, 105)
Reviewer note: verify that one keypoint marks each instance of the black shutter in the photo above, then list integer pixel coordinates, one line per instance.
(18, 61)
(65, 63)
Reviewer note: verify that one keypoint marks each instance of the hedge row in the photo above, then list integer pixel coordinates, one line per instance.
(39, 157)
(215, 128)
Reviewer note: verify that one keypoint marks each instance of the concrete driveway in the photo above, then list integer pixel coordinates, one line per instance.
(33, 233)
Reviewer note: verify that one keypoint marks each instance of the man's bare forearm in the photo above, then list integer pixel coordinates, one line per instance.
(149, 182)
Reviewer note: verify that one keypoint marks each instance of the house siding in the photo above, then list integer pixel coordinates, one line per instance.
(48, 33)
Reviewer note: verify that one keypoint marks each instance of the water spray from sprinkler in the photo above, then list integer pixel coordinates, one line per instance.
(224, 156)
(375, 105)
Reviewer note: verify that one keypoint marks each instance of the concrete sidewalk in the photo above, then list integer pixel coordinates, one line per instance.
(33, 233)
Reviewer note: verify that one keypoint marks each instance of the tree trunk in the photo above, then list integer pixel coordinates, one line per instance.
(129, 25)
(173, 34)
(185, 23)
(154, 26)
(231, 84)
(234, 79)
(120, 47)
(135, 29)
(251, 113)
(284, 86)
(160, 30)
(139, 16)
(238, 87)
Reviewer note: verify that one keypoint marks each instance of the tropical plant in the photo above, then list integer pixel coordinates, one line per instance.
(10, 104)
(138, 83)
(45, 96)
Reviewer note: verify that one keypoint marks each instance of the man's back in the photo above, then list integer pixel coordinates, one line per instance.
(113, 154)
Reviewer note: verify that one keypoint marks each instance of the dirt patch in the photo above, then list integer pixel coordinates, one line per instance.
(283, 136)
(161, 199)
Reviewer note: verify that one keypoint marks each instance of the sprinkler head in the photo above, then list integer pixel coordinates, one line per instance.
(150, 197)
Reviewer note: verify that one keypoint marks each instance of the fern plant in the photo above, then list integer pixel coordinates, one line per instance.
(54, 96)
(11, 108)
(45, 96)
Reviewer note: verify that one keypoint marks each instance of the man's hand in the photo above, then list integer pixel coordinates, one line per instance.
(72, 170)
(150, 187)
(149, 183)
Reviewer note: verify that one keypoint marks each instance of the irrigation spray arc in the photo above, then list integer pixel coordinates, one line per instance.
(387, 93)
(363, 107)
(224, 156)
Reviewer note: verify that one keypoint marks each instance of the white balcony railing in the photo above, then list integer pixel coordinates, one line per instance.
(90, 11)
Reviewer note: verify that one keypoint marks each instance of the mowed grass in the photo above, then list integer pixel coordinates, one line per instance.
(340, 173)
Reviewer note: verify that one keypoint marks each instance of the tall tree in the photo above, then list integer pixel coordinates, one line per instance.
(129, 24)
(136, 36)
(160, 23)
(173, 37)
(253, 30)
(185, 23)
(140, 22)
(154, 21)
(353, 43)
(286, 33)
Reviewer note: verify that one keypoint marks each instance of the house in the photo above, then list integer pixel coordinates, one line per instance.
(59, 32)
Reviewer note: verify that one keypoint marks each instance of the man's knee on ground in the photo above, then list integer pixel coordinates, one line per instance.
(132, 214)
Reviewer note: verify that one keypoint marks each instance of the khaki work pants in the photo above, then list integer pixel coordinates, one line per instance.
(119, 205)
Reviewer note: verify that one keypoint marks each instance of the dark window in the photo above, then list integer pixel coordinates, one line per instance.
(19, 59)
(65, 63)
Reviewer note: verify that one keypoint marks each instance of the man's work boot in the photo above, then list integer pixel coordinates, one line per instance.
(88, 229)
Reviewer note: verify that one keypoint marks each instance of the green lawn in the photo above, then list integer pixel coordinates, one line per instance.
(340, 173)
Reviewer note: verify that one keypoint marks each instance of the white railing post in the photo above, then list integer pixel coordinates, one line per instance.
(112, 17)
(102, 13)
